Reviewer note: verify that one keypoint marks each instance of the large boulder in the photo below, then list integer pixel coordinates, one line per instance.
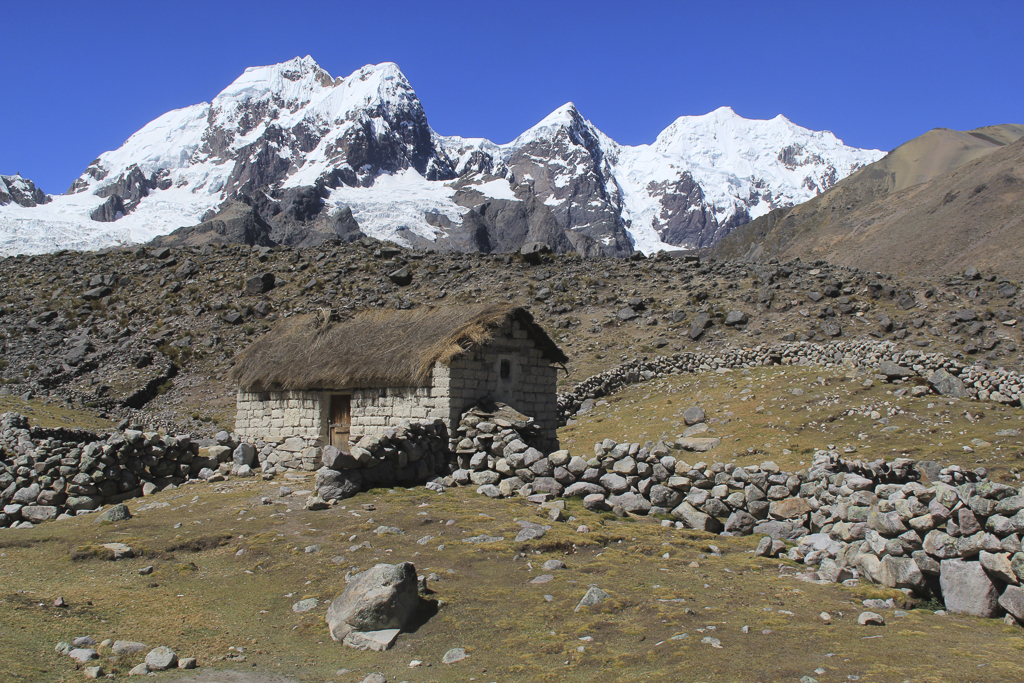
(335, 485)
(631, 502)
(695, 519)
(967, 589)
(901, 572)
(893, 371)
(946, 384)
(789, 508)
(383, 597)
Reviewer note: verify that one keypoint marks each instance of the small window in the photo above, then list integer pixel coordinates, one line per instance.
(506, 368)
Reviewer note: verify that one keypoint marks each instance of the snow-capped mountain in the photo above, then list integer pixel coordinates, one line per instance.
(289, 154)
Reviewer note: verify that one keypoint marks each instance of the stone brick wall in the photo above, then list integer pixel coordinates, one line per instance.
(530, 388)
(375, 410)
(274, 416)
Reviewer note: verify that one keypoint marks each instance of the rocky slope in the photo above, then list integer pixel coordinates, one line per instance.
(21, 191)
(316, 157)
(939, 203)
(155, 329)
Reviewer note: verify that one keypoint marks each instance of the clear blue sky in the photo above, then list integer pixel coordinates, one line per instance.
(80, 77)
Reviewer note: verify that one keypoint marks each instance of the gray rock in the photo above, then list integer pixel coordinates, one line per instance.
(893, 371)
(530, 533)
(614, 483)
(581, 489)
(161, 658)
(120, 550)
(695, 519)
(139, 670)
(631, 502)
(383, 597)
(260, 284)
(1012, 600)
(740, 523)
(698, 443)
(484, 477)
(870, 619)
(532, 252)
(489, 490)
(947, 385)
(764, 547)
(306, 605)
(734, 318)
(401, 277)
(693, 415)
(27, 495)
(593, 596)
(244, 454)
(116, 513)
(127, 647)
(456, 654)
(901, 572)
(37, 514)
(998, 565)
(337, 459)
(789, 508)
(967, 589)
(83, 654)
(378, 641)
(335, 485)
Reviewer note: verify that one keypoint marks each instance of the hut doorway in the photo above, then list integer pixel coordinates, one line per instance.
(341, 420)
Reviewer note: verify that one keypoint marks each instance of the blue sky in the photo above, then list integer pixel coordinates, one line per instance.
(80, 77)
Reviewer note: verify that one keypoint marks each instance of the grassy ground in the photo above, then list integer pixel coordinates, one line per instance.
(51, 414)
(785, 413)
(230, 560)
(206, 597)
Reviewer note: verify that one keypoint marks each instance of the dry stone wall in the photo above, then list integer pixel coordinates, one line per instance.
(410, 454)
(45, 474)
(947, 376)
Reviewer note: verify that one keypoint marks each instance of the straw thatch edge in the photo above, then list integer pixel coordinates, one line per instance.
(395, 348)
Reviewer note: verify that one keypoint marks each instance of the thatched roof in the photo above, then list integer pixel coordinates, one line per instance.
(375, 348)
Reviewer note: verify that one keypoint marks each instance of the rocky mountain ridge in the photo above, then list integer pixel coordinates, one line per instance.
(314, 157)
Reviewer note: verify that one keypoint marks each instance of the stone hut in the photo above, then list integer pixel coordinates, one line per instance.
(333, 382)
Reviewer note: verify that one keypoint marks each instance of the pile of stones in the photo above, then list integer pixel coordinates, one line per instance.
(410, 454)
(958, 539)
(943, 375)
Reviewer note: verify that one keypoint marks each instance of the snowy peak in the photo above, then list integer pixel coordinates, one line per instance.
(306, 152)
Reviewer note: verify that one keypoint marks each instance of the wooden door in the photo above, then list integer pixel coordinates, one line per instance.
(341, 420)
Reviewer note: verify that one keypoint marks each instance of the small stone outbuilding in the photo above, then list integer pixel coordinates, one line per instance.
(332, 382)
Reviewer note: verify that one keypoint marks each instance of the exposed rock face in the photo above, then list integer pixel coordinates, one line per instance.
(502, 225)
(236, 223)
(568, 169)
(21, 191)
(685, 217)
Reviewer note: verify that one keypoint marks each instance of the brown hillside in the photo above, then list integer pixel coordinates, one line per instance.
(937, 204)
